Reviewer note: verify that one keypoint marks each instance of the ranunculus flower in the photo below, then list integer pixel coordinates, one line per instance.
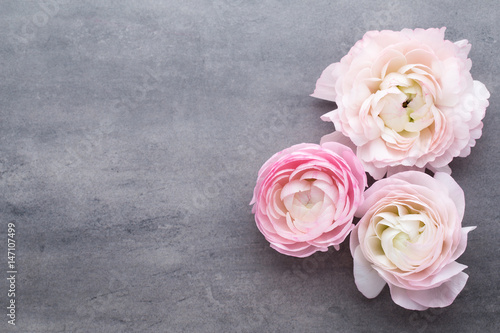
(405, 99)
(409, 237)
(306, 196)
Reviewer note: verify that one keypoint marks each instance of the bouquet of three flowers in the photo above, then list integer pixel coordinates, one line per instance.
(406, 102)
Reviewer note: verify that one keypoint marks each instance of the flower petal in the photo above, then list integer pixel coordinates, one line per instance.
(440, 296)
(401, 298)
(325, 86)
(369, 283)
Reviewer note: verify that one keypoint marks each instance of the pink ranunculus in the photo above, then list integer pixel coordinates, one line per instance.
(409, 237)
(306, 196)
(406, 99)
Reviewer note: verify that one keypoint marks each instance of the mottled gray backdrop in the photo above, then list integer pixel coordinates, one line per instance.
(131, 136)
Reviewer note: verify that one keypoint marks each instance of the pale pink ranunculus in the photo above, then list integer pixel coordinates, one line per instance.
(409, 237)
(306, 196)
(406, 99)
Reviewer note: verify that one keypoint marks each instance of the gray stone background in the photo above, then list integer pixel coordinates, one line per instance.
(131, 136)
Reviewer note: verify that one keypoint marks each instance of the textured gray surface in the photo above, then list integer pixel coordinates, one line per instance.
(131, 136)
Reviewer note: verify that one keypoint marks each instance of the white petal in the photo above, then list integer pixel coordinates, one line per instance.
(325, 86)
(463, 243)
(440, 296)
(400, 297)
(454, 191)
(369, 283)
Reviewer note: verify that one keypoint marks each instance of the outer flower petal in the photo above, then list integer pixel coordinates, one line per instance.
(401, 298)
(325, 86)
(441, 296)
(455, 192)
(367, 280)
(463, 243)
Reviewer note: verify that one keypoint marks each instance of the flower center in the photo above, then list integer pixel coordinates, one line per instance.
(409, 98)
(304, 199)
(402, 105)
(398, 237)
(307, 201)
